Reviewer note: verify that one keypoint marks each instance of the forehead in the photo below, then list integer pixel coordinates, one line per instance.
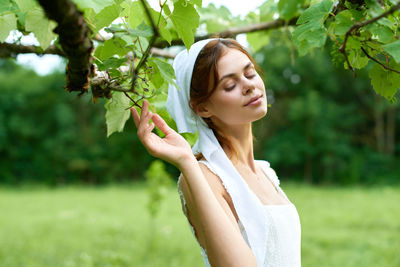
(232, 61)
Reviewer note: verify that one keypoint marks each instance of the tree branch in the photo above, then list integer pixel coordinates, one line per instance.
(8, 49)
(357, 25)
(73, 33)
(12, 50)
(233, 32)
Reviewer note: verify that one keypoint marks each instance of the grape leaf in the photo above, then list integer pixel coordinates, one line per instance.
(7, 5)
(288, 9)
(311, 31)
(343, 22)
(42, 28)
(196, 2)
(186, 20)
(110, 63)
(137, 14)
(111, 47)
(106, 16)
(165, 69)
(394, 50)
(381, 33)
(97, 5)
(216, 19)
(357, 59)
(267, 11)
(26, 5)
(116, 112)
(8, 22)
(257, 40)
(307, 38)
(316, 14)
(385, 82)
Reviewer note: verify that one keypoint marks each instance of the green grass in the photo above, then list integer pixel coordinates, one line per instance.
(110, 226)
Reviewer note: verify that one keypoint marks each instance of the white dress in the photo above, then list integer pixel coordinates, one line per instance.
(283, 230)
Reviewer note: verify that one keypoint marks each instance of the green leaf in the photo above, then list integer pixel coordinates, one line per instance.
(106, 16)
(311, 31)
(385, 82)
(196, 2)
(317, 13)
(307, 38)
(165, 69)
(381, 33)
(394, 50)
(216, 19)
(111, 47)
(343, 22)
(110, 63)
(97, 5)
(42, 28)
(167, 11)
(142, 30)
(267, 11)
(26, 5)
(116, 112)
(357, 59)
(257, 40)
(7, 5)
(288, 9)
(186, 21)
(8, 22)
(137, 15)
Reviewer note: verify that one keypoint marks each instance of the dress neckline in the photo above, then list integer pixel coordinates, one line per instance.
(276, 188)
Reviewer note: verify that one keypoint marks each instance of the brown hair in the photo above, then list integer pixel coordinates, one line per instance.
(205, 80)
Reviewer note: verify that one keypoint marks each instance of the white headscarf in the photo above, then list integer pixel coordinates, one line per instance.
(248, 207)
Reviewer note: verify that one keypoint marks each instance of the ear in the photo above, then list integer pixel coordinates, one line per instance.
(203, 111)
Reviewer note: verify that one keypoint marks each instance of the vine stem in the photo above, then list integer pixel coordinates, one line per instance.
(380, 63)
(145, 55)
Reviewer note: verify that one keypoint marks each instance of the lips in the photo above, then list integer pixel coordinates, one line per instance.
(253, 99)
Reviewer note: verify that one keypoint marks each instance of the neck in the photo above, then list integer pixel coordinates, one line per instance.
(241, 137)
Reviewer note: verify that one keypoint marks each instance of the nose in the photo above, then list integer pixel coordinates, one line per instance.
(248, 86)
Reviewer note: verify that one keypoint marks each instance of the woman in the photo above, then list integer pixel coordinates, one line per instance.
(235, 207)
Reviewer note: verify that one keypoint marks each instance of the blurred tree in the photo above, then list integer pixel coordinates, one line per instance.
(323, 124)
(52, 137)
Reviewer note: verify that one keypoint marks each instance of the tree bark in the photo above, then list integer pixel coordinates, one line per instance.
(73, 36)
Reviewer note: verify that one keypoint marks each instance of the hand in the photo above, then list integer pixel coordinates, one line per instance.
(172, 148)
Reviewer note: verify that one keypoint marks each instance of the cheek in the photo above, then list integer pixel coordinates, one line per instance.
(224, 100)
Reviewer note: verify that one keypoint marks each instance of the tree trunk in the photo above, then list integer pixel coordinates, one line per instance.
(379, 124)
(390, 130)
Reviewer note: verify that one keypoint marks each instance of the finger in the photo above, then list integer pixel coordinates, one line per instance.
(144, 124)
(151, 127)
(161, 124)
(145, 108)
(135, 116)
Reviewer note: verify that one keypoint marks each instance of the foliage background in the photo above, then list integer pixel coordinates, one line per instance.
(321, 128)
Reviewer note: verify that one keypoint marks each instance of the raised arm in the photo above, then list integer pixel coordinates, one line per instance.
(222, 239)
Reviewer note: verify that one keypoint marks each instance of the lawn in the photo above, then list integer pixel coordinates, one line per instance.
(110, 226)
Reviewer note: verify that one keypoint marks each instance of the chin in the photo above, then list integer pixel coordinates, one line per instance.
(262, 113)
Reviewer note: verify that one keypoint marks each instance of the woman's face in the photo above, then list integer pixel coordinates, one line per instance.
(240, 94)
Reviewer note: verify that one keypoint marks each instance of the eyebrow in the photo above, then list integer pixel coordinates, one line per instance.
(248, 65)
